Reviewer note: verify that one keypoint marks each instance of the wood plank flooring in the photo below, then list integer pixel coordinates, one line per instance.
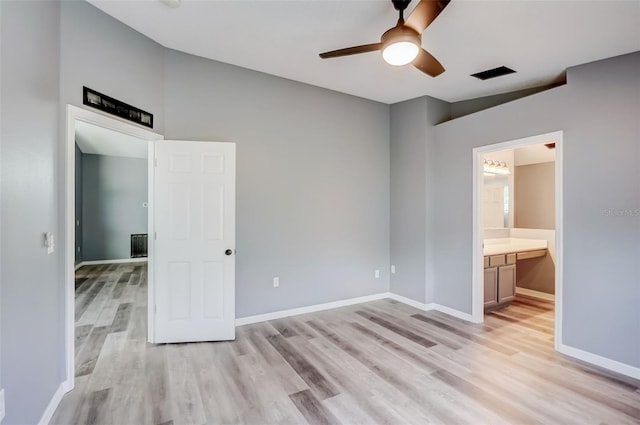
(376, 363)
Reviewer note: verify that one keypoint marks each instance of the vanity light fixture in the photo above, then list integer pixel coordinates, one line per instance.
(495, 167)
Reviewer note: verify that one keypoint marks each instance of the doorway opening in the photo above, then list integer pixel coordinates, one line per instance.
(105, 208)
(517, 234)
(111, 235)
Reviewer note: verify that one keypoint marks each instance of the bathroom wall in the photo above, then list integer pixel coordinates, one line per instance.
(535, 196)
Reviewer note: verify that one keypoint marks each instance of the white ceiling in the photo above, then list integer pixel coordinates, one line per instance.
(92, 139)
(534, 154)
(537, 38)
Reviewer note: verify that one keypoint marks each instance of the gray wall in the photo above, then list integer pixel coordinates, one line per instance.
(304, 211)
(470, 106)
(535, 191)
(31, 337)
(312, 180)
(313, 183)
(412, 224)
(78, 206)
(114, 189)
(598, 111)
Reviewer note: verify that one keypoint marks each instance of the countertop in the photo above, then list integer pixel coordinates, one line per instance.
(510, 245)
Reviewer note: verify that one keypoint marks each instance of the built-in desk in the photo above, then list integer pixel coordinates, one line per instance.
(512, 245)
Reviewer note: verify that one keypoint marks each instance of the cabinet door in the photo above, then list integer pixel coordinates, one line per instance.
(506, 283)
(490, 287)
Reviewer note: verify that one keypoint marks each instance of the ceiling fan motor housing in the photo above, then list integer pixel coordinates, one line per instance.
(398, 34)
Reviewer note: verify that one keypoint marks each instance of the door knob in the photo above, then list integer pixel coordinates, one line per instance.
(228, 252)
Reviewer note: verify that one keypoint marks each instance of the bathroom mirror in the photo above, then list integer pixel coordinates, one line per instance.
(497, 201)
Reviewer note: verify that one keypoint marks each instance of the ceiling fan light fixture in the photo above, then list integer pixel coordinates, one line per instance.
(400, 53)
(400, 45)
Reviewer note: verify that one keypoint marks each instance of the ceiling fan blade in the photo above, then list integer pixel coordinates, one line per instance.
(424, 13)
(351, 51)
(428, 64)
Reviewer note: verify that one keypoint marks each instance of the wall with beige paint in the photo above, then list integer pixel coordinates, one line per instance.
(535, 196)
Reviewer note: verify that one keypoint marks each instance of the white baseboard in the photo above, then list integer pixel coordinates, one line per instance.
(409, 301)
(53, 404)
(535, 294)
(431, 306)
(123, 260)
(453, 312)
(351, 301)
(309, 309)
(603, 362)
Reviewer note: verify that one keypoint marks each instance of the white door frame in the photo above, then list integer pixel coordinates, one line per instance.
(74, 114)
(477, 303)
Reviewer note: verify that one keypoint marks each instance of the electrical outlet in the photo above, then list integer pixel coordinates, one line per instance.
(276, 282)
(393, 269)
(1, 405)
(377, 274)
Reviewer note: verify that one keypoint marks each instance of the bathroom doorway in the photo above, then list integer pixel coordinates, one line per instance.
(517, 234)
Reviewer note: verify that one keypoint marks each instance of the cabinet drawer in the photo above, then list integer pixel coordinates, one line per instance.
(532, 254)
(511, 258)
(497, 260)
(486, 262)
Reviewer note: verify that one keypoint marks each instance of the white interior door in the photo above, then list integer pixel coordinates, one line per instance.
(194, 247)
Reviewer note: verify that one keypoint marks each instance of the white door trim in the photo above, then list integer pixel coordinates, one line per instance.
(477, 303)
(74, 114)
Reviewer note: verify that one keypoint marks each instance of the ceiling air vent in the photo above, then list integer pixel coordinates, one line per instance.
(493, 73)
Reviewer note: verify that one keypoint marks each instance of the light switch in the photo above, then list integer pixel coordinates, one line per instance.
(49, 242)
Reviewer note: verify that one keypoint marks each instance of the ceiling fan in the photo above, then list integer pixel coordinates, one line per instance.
(402, 44)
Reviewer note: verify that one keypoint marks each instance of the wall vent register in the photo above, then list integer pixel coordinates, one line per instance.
(116, 107)
(139, 245)
(493, 73)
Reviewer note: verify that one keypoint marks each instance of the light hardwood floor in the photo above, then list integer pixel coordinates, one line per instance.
(380, 362)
